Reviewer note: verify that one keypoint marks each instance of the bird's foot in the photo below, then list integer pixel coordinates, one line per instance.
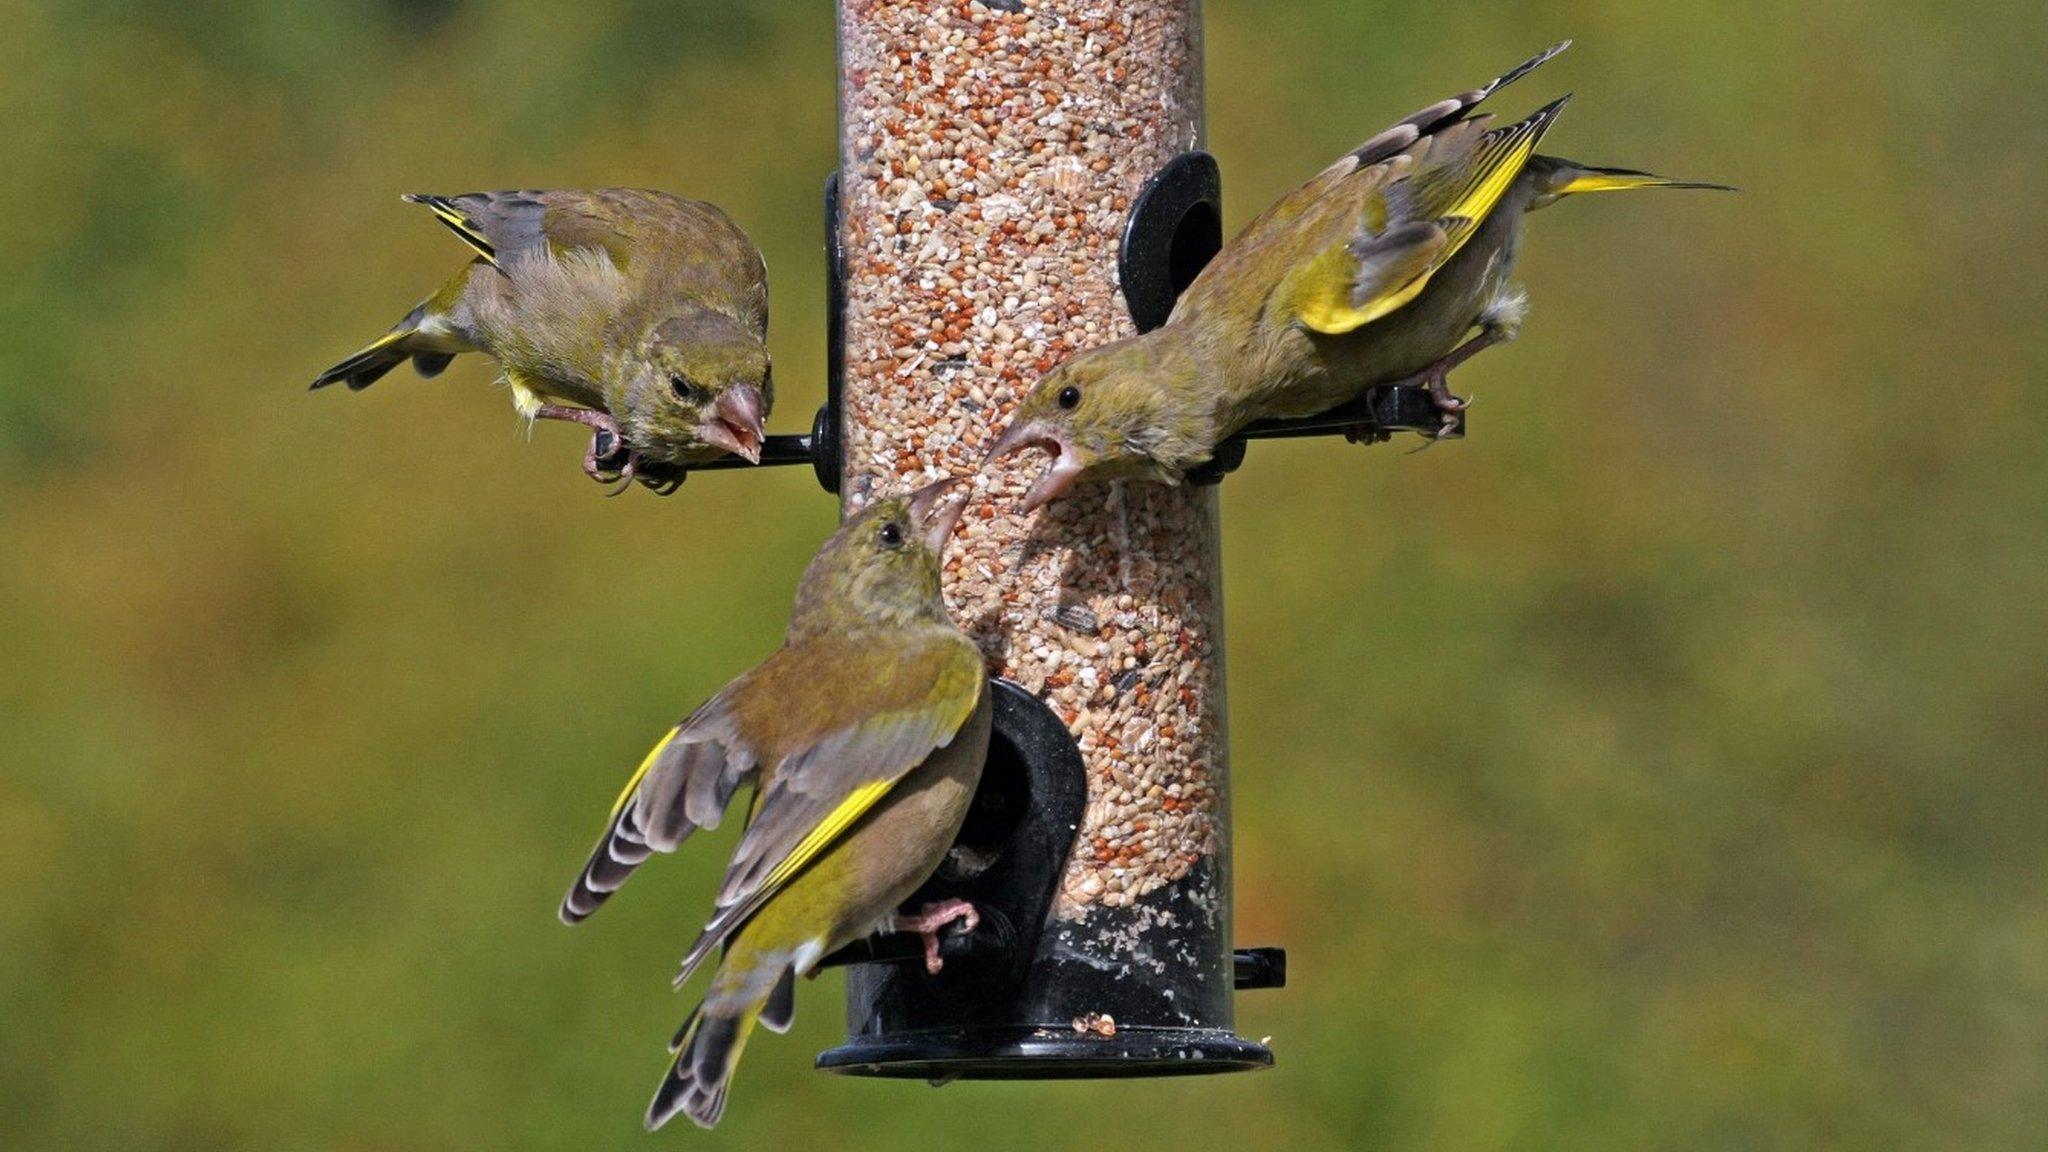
(1367, 434)
(1437, 377)
(933, 919)
(625, 477)
(1452, 418)
(1438, 380)
(609, 461)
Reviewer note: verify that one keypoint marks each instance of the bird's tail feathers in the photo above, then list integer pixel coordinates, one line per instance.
(431, 364)
(403, 342)
(708, 1050)
(1569, 178)
(780, 1011)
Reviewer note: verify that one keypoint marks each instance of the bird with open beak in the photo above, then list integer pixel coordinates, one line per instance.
(864, 737)
(1372, 273)
(638, 314)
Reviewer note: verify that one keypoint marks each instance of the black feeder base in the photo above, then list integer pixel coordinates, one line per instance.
(1048, 1054)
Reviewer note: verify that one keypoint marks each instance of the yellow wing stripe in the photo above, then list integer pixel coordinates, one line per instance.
(1472, 208)
(850, 809)
(640, 773)
(857, 803)
(1496, 172)
(458, 223)
(467, 231)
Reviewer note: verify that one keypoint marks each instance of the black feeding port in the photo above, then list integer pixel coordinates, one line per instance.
(1174, 229)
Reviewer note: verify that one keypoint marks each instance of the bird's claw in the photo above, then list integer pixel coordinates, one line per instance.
(1439, 384)
(1452, 406)
(935, 918)
(609, 459)
(625, 476)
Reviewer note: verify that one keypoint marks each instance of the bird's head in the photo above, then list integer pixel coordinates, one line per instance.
(696, 379)
(882, 567)
(1106, 411)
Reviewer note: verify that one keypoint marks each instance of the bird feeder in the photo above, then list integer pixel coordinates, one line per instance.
(990, 154)
(1020, 180)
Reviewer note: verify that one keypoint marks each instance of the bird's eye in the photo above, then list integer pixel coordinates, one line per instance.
(892, 535)
(682, 387)
(1069, 396)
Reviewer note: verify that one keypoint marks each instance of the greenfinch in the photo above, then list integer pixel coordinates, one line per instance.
(863, 738)
(1369, 274)
(639, 314)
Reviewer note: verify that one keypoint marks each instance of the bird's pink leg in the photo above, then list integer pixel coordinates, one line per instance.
(1437, 378)
(934, 918)
(588, 417)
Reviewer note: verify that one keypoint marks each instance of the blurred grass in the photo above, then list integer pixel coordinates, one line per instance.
(1660, 768)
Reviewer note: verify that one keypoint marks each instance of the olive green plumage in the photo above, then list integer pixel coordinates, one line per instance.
(1368, 274)
(638, 313)
(863, 738)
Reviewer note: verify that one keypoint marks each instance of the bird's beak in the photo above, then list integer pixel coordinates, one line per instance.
(935, 510)
(1058, 476)
(735, 423)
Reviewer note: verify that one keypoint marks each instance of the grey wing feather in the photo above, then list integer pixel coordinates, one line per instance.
(1392, 141)
(808, 788)
(513, 222)
(688, 786)
(1393, 257)
(1433, 174)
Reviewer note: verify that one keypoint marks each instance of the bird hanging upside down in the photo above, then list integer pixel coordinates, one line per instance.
(1371, 273)
(638, 314)
(864, 738)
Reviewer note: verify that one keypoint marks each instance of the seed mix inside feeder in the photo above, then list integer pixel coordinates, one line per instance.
(990, 160)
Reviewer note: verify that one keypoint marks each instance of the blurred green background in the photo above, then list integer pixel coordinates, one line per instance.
(1660, 768)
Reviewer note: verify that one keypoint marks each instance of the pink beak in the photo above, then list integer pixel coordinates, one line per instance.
(1059, 474)
(735, 424)
(936, 513)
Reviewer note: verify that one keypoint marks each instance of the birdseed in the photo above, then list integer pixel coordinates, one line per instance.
(990, 155)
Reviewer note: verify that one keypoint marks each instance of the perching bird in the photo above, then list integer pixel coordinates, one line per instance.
(863, 737)
(639, 314)
(1369, 274)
